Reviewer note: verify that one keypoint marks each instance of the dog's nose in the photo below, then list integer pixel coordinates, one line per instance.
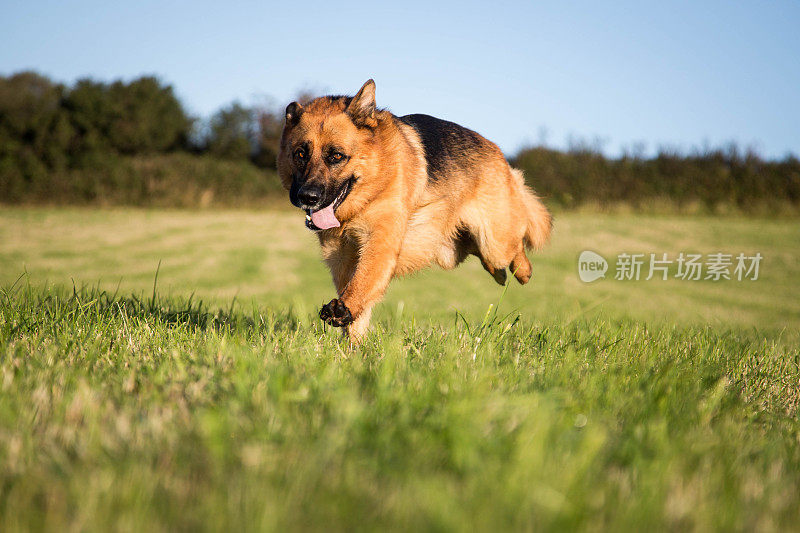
(310, 194)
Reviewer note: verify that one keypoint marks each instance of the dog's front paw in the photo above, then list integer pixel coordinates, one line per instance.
(336, 313)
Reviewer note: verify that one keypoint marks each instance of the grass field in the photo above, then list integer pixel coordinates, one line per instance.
(219, 401)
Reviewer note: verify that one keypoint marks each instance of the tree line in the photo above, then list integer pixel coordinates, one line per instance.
(710, 180)
(85, 142)
(134, 143)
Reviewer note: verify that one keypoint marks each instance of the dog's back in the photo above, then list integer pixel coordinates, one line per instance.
(448, 146)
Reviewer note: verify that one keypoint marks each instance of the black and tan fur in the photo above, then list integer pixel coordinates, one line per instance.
(417, 191)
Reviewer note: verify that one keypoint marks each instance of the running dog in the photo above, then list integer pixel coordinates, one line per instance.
(388, 196)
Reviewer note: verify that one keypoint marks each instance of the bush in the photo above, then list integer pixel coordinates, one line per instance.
(164, 180)
(714, 178)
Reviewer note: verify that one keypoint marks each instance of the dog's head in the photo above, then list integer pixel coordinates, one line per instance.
(325, 148)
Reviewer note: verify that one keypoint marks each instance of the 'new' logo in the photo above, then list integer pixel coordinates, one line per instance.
(591, 266)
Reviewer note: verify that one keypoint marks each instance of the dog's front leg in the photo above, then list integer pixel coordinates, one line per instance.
(374, 269)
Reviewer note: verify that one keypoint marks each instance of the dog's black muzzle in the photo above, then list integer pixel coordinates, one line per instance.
(310, 194)
(306, 194)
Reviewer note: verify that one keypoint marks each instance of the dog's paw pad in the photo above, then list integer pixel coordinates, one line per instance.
(336, 313)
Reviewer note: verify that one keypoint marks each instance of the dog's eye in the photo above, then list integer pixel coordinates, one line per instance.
(300, 154)
(335, 157)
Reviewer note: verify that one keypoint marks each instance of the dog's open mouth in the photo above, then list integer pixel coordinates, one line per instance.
(325, 217)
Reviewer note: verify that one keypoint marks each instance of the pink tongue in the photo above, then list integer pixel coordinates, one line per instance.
(324, 218)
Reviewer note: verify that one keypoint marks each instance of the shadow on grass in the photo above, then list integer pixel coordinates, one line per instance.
(28, 308)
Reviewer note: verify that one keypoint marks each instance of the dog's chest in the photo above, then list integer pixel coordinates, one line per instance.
(427, 240)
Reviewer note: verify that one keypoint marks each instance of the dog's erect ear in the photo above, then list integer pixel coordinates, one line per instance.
(362, 107)
(293, 112)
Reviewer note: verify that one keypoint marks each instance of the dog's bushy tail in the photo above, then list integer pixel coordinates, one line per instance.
(539, 221)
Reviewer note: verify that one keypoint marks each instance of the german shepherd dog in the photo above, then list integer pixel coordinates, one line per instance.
(388, 196)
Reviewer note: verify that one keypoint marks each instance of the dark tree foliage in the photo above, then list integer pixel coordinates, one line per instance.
(270, 125)
(254, 133)
(146, 117)
(90, 111)
(134, 118)
(232, 133)
(35, 133)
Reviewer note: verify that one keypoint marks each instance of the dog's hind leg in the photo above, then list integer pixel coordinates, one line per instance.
(466, 244)
(499, 274)
(521, 267)
(491, 239)
(506, 221)
(491, 253)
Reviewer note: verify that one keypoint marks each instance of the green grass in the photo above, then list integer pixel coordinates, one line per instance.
(220, 402)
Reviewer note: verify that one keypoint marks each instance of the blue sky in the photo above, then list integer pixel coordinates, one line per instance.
(680, 74)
